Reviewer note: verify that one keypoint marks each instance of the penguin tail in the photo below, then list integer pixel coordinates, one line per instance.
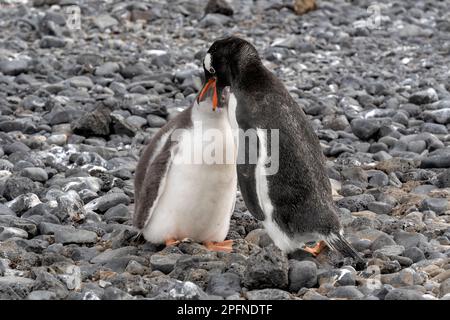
(337, 242)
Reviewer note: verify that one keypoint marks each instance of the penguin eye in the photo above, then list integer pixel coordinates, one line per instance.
(212, 70)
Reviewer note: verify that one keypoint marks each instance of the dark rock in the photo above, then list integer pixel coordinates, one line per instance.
(108, 201)
(302, 274)
(443, 179)
(48, 42)
(438, 205)
(75, 236)
(108, 255)
(164, 263)
(224, 285)
(403, 294)
(380, 207)
(15, 288)
(95, 123)
(365, 128)
(415, 254)
(267, 268)
(268, 294)
(17, 186)
(424, 97)
(356, 203)
(382, 241)
(41, 295)
(35, 174)
(346, 292)
(14, 67)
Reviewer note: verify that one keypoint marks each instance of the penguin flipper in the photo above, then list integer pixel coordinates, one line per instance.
(338, 243)
(152, 185)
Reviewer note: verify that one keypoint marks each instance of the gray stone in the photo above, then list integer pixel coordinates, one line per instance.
(105, 21)
(268, 294)
(391, 250)
(81, 82)
(382, 241)
(438, 205)
(94, 123)
(9, 232)
(434, 128)
(164, 263)
(302, 274)
(41, 295)
(48, 42)
(346, 292)
(224, 284)
(356, 203)
(444, 288)
(267, 268)
(118, 213)
(35, 174)
(380, 207)
(5, 211)
(378, 179)
(49, 282)
(15, 288)
(108, 201)
(16, 186)
(70, 206)
(423, 97)
(23, 203)
(259, 237)
(75, 236)
(136, 121)
(16, 147)
(403, 294)
(365, 128)
(409, 239)
(109, 254)
(14, 67)
(443, 179)
(107, 69)
(415, 254)
(155, 121)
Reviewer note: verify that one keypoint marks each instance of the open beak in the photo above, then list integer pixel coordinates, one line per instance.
(210, 85)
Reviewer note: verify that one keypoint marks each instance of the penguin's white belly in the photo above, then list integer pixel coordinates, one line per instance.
(197, 200)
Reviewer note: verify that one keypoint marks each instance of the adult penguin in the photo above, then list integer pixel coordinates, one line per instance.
(185, 180)
(295, 203)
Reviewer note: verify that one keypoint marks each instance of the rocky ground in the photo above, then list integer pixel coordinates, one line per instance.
(77, 102)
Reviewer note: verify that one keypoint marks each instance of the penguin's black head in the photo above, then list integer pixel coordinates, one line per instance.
(224, 63)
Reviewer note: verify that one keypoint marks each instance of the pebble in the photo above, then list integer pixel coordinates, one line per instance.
(267, 268)
(268, 294)
(75, 236)
(108, 201)
(403, 294)
(302, 274)
(224, 285)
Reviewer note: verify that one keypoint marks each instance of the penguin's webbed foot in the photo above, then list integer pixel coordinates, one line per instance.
(172, 242)
(224, 246)
(315, 251)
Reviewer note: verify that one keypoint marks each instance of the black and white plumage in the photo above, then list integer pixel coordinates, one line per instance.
(296, 203)
(178, 198)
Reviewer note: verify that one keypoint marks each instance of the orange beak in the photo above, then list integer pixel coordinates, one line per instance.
(211, 84)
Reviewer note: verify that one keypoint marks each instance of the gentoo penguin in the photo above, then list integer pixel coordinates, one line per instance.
(295, 203)
(186, 181)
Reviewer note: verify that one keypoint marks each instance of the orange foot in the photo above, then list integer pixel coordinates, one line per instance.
(172, 242)
(316, 249)
(224, 246)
